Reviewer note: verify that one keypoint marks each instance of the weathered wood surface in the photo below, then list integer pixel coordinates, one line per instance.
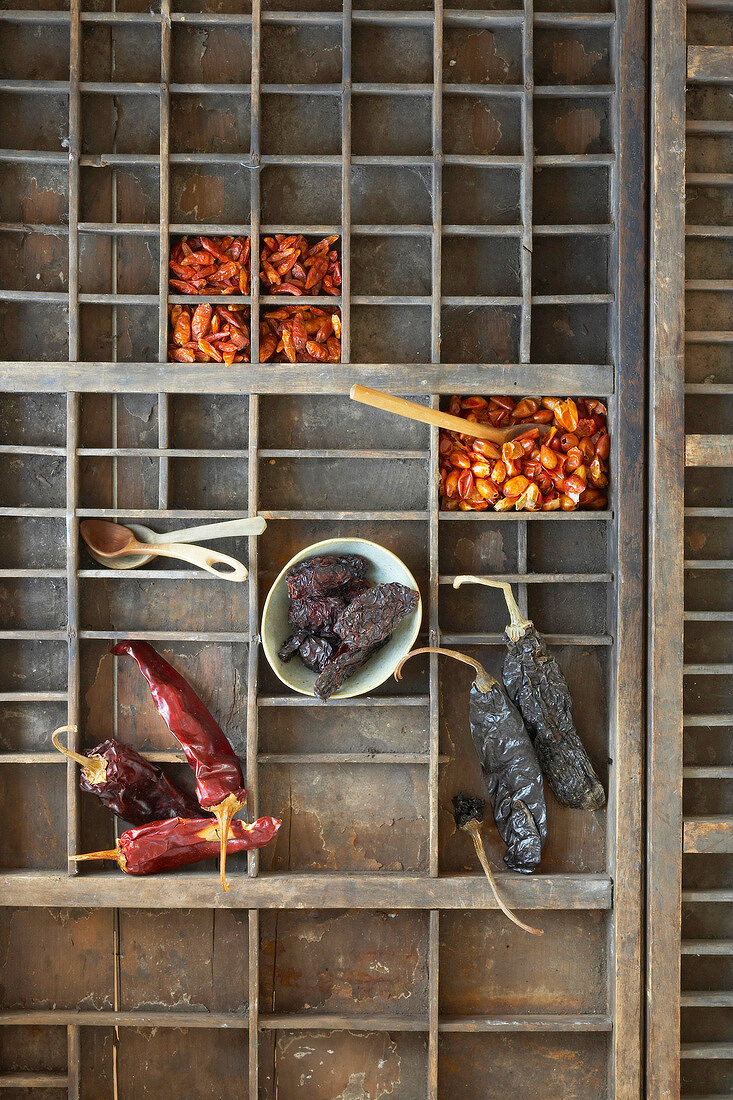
(708, 450)
(710, 64)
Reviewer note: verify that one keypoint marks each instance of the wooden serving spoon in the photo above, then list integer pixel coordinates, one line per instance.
(410, 409)
(112, 540)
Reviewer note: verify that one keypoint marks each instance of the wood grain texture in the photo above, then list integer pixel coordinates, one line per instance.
(710, 64)
(709, 450)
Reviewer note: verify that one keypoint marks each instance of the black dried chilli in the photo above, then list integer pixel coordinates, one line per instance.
(324, 574)
(345, 662)
(315, 614)
(511, 773)
(375, 614)
(315, 653)
(535, 683)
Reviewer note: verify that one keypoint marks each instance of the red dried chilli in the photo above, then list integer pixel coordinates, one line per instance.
(219, 778)
(165, 845)
(210, 265)
(565, 470)
(126, 783)
(209, 334)
(300, 334)
(289, 265)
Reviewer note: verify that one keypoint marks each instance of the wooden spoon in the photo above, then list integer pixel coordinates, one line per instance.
(113, 540)
(224, 529)
(413, 411)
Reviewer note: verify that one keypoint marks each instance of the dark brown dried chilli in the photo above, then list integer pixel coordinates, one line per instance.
(371, 617)
(511, 773)
(535, 683)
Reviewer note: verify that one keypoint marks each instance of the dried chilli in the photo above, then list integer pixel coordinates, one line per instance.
(567, 469)
(289, 265)
(209, 334)
(300, 334)
(535, 683)
(128, 784)
(219, 779)
(210, 265)
(511, 773)
(165, 845)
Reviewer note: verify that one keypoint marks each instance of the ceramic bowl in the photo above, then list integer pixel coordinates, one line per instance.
(384, 566)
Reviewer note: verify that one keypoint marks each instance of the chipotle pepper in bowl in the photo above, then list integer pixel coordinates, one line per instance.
(219, 779)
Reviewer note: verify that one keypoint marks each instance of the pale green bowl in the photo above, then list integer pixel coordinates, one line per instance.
(384, 566)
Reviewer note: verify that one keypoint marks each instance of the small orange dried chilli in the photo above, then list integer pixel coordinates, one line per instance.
(300, 334)
(209, 334)
(210, 265)
(565, 471)
(289, 265)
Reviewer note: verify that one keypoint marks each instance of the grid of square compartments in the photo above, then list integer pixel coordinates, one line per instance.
(363, 788)
(466, 159)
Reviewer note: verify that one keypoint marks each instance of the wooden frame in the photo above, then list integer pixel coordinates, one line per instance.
(438, 888)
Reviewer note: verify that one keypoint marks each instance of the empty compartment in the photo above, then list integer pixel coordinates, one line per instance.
(35, 51)
(391, 54)
(137, 485)
(34, 332)
(210, 124)
(571, 196)
(130, 194)
(390, 265)
(391, 196)
(327, 1063)
(572, 56)
(159, 1058)
(35, 261)
(301, 196)
(344, 729)
(567, 264)
(391, 125)
(301, 124)
(481, 196)
(33, 667)
(121, 52)
(33, 1049)
(32, 481)
(33, 603)
(209, 421)
(485, 55)
(489, 549)
(336, 484)
(353, 817)
(301, 53)
(194, 960)
(34, 840)
(482, 125)
(129, 420)
(489, 966)
(480, 334)
(570, 334)
(35, 193)
(211, 54)
(327, 421)
(121, 122)
(27, 727)
(708, 487)
(390, 334)
(354, 962)
(126, 604)
(131, 338)
(209, 483)
(28, 419)
(567, 1065)
(489, 265)
(218, 193)
(57, 958)
(34, 120)
(132, 258)
(563, 548)
(572, 125)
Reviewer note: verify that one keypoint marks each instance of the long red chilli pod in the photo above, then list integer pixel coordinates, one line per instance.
(165, 845)
(219, 779)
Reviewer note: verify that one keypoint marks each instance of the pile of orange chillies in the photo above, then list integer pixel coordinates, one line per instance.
(290, 266)
(209, 334)
(210, 265)
(300, 334)
(567, 470)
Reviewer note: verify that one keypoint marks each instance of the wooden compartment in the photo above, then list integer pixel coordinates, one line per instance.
(481, 165)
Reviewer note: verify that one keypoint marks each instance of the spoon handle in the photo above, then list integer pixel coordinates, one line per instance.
(412, 411)
(227, 529)
(205, 559)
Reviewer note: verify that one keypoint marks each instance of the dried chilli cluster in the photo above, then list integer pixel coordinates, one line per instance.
(211, 265)
(300, 334)
(567, 469)
(209, 334)
(289, 265)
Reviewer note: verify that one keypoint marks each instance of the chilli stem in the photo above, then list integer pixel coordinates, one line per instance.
(110, 853)
(224, 813)
(518, 625)
(484, 681)
(472, 827)
(95, 767)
